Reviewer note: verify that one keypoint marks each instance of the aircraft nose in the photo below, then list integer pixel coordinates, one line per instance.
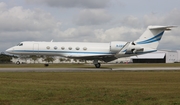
(10, 50)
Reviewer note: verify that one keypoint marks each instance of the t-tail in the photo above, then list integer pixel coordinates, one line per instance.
(148, 41)
(151, 37)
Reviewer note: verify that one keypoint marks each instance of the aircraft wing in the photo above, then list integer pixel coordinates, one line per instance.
(106, 58)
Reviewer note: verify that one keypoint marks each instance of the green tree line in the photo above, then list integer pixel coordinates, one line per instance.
(5, 58)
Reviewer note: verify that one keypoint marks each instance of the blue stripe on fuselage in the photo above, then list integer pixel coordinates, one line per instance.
(68, 52)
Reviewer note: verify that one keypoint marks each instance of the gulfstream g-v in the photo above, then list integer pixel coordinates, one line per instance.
(147, 42)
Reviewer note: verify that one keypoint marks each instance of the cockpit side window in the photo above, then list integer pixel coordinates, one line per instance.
(20, 44)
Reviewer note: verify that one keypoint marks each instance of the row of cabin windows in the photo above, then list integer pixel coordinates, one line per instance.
(55, 47)
(70, 48)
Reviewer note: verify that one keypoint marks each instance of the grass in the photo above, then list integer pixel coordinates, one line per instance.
(75, 65)
(90, 88)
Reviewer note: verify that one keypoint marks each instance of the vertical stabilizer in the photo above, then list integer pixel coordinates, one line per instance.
(151, 37)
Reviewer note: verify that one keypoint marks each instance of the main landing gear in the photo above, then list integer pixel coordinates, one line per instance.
(97, 65)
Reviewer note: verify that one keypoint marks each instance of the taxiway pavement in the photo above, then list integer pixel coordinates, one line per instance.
(85, 69)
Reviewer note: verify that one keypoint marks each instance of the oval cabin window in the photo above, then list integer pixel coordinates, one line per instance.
(48, 47)
(62, 48)
(70, 48)
(77, 48)
(85, 48)
(55, 47)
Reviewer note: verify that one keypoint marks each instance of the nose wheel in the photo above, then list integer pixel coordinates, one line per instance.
(98, 65)
(18, 63)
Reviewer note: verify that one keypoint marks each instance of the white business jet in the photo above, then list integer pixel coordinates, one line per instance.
(107, 52)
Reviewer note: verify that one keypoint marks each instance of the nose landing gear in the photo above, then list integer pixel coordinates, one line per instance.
(18, 62)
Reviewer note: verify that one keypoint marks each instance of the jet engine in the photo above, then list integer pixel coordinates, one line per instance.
(134, 48)
(116, 46)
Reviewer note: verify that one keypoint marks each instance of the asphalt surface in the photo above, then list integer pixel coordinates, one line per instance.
(85, 69)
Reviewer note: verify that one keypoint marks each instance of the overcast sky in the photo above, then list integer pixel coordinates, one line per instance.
(86, 20)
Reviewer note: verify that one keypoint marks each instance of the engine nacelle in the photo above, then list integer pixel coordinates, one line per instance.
(133, 48)
(116, 46)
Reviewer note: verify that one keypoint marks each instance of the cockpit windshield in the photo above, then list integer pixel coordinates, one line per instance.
(20, 44)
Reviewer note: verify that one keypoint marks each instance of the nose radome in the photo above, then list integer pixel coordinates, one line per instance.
(10, 50)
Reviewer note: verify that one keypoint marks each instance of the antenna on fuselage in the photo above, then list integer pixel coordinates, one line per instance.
(52, 40)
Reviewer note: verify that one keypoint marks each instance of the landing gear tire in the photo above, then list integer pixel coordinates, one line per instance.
(98, 65)
(17, 62)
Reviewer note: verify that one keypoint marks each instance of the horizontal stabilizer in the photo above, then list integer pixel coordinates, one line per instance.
(161, 27)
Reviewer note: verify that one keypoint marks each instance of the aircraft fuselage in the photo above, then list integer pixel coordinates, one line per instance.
(65, 49)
